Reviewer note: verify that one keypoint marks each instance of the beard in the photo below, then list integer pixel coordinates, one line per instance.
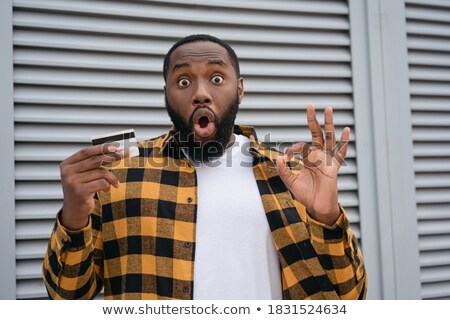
(204, 151)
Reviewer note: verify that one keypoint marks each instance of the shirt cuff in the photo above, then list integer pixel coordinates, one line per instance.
(72, 240)
(323, 233)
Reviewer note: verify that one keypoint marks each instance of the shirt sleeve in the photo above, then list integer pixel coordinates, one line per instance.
(73, 263)
(339, 254)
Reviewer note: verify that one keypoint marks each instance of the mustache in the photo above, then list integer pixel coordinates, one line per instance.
(191, 117)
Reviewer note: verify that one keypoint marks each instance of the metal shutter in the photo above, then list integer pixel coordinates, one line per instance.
(428, 28)
(88, 67)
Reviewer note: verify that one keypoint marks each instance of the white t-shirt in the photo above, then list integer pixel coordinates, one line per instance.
(235, 256)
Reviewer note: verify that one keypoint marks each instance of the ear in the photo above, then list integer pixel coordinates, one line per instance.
(240, 87)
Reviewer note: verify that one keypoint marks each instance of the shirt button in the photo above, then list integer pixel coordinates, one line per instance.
(185, 289)
(189, 199)
(187, 244)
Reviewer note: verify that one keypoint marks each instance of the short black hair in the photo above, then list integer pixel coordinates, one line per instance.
(198, 38)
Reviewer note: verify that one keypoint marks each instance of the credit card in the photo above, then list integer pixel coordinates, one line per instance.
(125, 138)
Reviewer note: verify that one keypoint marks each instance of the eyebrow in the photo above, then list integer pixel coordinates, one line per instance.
(210, 62)
(181, 65)
(217, 61)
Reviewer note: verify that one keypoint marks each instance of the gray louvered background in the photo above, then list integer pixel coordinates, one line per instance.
(83, 68)
(428, 27)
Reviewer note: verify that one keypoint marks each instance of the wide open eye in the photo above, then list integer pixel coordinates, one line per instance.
(184, 82)
(217, 79)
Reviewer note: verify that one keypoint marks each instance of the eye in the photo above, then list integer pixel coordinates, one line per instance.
(183, 82)
(217, 79)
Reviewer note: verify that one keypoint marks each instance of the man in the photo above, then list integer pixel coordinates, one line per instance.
(199, 216)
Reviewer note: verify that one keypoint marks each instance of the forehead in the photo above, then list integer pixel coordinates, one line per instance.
(198, 51)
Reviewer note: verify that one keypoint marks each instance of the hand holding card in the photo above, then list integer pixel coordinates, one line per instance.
(125, 139)
(83, 174)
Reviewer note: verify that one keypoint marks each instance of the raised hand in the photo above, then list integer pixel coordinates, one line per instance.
(316, 184)
(82, 176)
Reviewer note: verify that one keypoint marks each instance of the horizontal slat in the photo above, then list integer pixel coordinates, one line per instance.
(37, 210)
(35, 171)
(133, 62)
(328, 7)
(435, 274)
(174, 29)
(434, 227)
(431, 118)
(434, 211)
(424, 13)
(42, 190)
(428, 28)
(431, 149)
(438, 73)
(132, 116)
(76, 133)
(87, 78)
(428, 43)
(141, 98)
(46, 151)
(299, 69)
(307, 85)
(139, 45)
(430, 88)
(434, 134)
(434, 242)
(432, 180)
(436, 290)
(441, 195)
(34, 229)
(29, 269)
(44, 57)
(432, 165)
(440, 4)
(428, 58)
(30, 289)
(335, 7)
(193, 14)
(87, 96)
(148, 81)
(429, 103)
(31, 249)
(435, 258)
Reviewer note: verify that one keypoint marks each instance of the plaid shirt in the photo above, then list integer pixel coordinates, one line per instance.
(140, 240)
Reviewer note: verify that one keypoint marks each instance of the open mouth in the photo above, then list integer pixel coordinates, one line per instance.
(203, 122)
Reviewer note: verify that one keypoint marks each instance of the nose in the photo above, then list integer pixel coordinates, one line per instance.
(201, 95)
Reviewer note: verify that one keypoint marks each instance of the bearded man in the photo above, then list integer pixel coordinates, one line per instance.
(205, 211)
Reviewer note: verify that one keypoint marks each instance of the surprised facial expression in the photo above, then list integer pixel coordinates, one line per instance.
(203, 92)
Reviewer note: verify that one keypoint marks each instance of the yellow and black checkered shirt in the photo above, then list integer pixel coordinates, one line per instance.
(140, 241)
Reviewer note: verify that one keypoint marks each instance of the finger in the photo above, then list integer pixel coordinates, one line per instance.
(285, 173)
(330, 136)
(96, 186)
(99, 174)
(97, 161)
(343, 145)
(314, 127)
(90, 152)
(300, 147)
